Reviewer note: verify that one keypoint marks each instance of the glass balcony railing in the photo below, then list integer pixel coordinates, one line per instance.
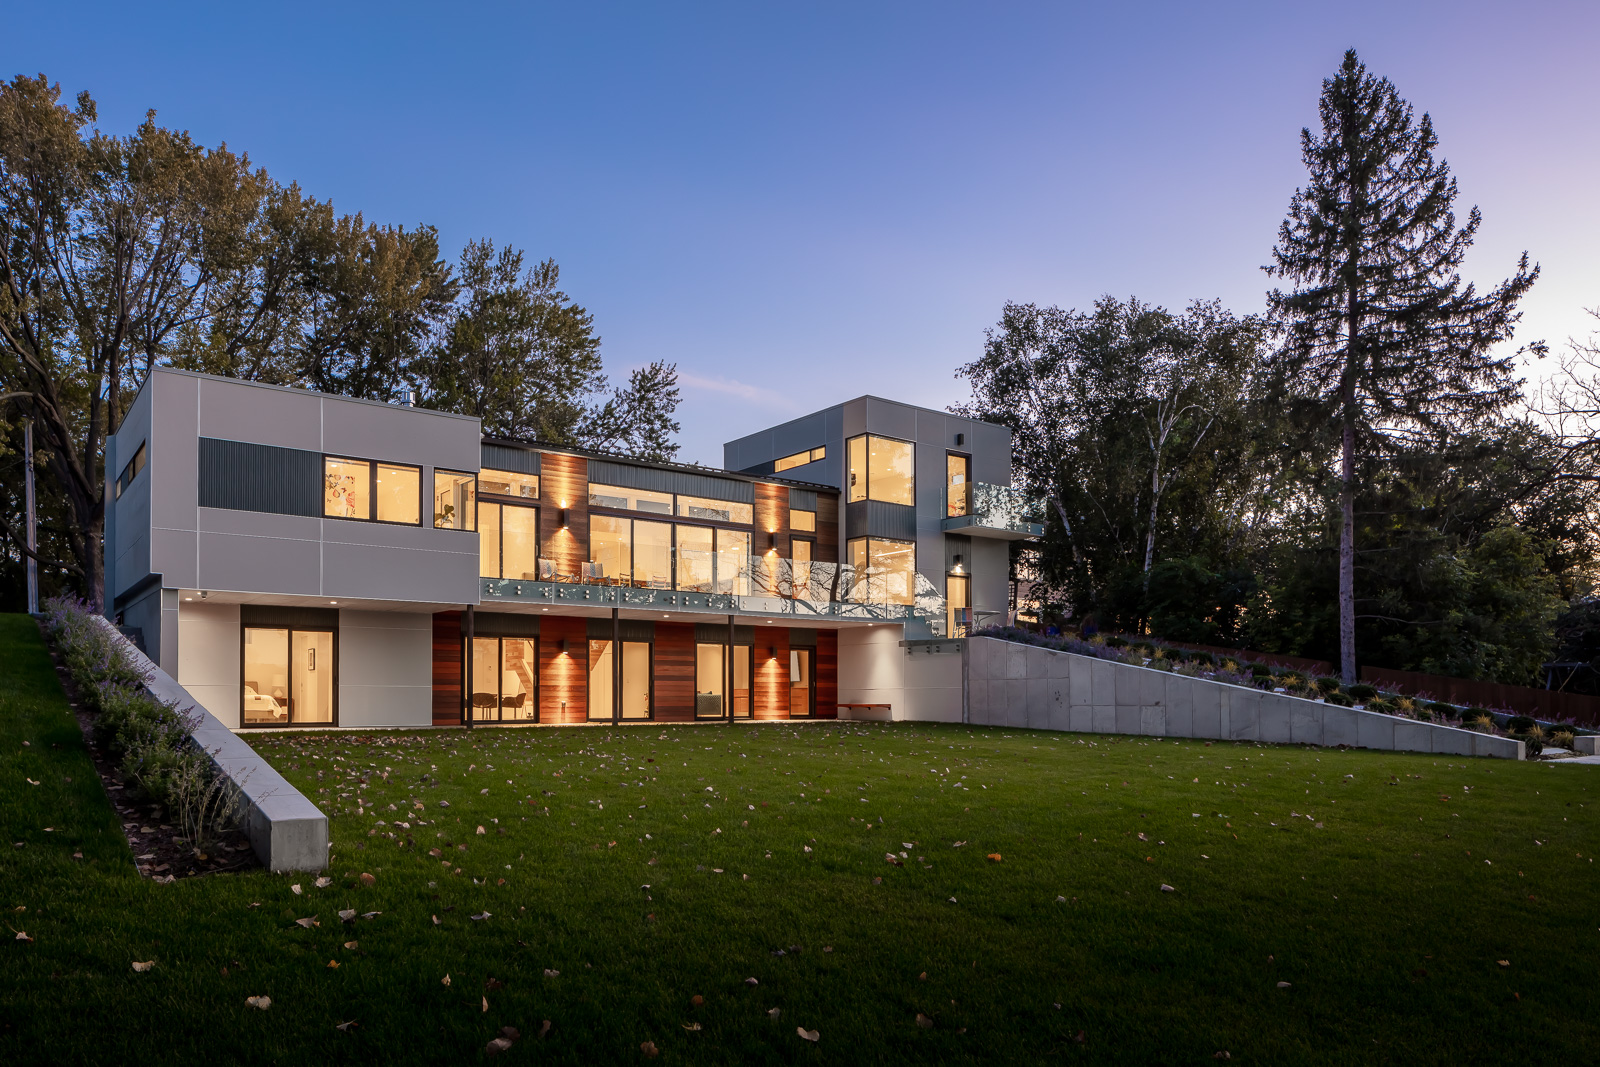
(998, 511)
(762, 585)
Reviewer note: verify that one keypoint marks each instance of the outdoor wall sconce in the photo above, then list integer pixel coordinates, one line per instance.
(961, 439)
(563, 518)
(563, 646)
(772, 541)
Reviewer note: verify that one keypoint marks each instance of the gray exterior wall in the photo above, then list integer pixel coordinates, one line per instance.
(159, 526)
(934, 434)
(1014, 684)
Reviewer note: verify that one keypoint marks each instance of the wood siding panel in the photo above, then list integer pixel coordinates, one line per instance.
(772, 672)
(827, 674)
(564, 479)
(447, 668)
(674, 672)
(563, 677)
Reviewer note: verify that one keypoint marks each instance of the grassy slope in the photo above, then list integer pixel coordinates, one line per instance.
(1349, 913)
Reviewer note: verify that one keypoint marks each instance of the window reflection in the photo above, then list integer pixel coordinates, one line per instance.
(881, 468)
(885, 570)
(696, 562)
(698, 507)
(958, 479)
(615, 496)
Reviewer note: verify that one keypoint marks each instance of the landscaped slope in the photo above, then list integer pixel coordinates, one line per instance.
(1387, 920)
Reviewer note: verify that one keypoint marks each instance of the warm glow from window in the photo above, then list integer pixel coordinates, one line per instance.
(508, 483)
(799, 459)
(347, 489)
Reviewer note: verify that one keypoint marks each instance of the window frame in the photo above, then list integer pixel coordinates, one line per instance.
(812, 455)
(130, 470)
(372, 490)
(811, 688)
(620, 670)
(500, 537)
(538, 486)
(288, 722)
(857, 581)
(473, 475)
(866, 469)
(500, 656)
(966, 458)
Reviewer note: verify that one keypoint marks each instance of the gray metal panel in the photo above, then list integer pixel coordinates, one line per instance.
(874, 518)
(711, 633)
(247, 477)
(804, 499)
(508, 458)
(299, 618)
(631, 629)
(664, 481)
(502, 624)
(957, 545)
(800, 637)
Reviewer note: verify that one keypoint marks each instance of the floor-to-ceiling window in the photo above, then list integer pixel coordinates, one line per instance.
(635, 703)
(508, 541)
(884, 570)
(957, 484)
(505, 680)
(802, 682)
(289, 677)
(958, 605)
(712, 698)
(881, 468)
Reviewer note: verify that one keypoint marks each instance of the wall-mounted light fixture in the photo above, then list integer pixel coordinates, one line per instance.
(772, 541)
(961, 439)
(958, 564)
(563, 518)
(564, 650)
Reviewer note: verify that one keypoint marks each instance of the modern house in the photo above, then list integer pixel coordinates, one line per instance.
(299, 559)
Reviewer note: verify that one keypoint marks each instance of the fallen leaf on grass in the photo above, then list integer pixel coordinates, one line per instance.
(259, 1002)
(143, 967)
(548, 973)
(307, 923)
(545, 1029)
(30, 780)
(809, 1035)
(496, 1046)
(479, 830)
(773, 1013)
(324, 882)
(346, 1027)
(371, 914)
(1165, 888)
(1283, 985)
(1503, 963)
(333, 965)
(494, 983)
(351, 945)
(697, 1000)
(994, 857)
(510, 1033)
(479, 917)
(692, 1026)
(367, 879)
(295, 889)
(751, 981)
(347, 915)
(649, 1049)
(924, 1022)
(435, 920)
(485, 1004)
(1081, 1038)
(445, 980)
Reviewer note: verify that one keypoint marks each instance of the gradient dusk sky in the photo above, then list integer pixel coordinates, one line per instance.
(801, 203)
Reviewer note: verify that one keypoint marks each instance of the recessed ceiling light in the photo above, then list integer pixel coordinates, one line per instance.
(333, 601)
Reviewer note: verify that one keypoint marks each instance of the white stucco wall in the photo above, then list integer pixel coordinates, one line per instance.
(385, 668)
(208, 654)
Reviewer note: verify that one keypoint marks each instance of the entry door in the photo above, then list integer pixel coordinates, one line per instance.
(311, 660)
(802, 683)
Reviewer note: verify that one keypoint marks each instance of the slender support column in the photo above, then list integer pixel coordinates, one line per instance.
(466, 705)
(727, 707)
(616, 667)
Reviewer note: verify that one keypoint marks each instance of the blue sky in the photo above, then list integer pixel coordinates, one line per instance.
(799, 203)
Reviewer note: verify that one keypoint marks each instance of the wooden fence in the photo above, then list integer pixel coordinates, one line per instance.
(1547, 704)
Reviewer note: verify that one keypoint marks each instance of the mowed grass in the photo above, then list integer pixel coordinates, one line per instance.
(1383, 888)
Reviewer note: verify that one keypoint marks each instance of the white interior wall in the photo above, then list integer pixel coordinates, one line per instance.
(385, 668)
(208, 657)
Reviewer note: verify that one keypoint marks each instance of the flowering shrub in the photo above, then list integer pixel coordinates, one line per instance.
(150, 738)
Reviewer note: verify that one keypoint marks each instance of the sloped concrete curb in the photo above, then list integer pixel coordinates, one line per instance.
(1012, 684)
(286, 830)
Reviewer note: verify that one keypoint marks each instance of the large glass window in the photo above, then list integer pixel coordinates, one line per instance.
(733, 562)
(635, 680)
(615, 496)
(454, 501)
(882, 468)
(508, 483)
(711, 681)
(505, 679)
(346, 489)
(652, 554)
(696, 559)
(399, 494)
(699, 507)
(885, 570)
(856, 452)
(801, 575)
(957, 484)
(804, 521)
(958, 601)
(799, 459)
(611, 548)
(802, 682)
(508, 541)
(288, 676)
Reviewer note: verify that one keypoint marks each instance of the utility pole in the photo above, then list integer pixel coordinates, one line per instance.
(31, 562)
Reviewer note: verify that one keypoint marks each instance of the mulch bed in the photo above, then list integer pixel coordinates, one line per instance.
(153, 841)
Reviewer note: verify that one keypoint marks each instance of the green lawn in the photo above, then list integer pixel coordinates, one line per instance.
(1383, 888)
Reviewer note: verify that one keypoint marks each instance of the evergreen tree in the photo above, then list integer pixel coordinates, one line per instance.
(1383, 337)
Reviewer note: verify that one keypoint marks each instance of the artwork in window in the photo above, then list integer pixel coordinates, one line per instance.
(399, 493)
(697, 507)
(799, 459)
(615, 496)
(803, 521)
(508, 483)
(696, 559)
(958, 484)
(346, 489)
(454, 501)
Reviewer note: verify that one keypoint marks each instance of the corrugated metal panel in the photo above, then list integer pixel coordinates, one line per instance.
(625, 474)
(957, 545)
(248, 477)
(632, 629)
(711, 633)
(804, 499)
(874, 518)
(507, 458)
(298, 618)
(502, 624)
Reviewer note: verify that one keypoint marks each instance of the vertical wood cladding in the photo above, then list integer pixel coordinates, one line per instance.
(772, 672)
(827, 674)
(564, 480)
(772, 516)
(674, 671)
(827, 528)
(563, 678)
(447, 668)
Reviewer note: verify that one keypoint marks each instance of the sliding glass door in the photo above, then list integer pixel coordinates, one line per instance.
(505, 680)
(290, 677)
(712, 699)
(635, 680)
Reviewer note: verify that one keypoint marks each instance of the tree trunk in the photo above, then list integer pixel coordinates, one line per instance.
(1347, 545)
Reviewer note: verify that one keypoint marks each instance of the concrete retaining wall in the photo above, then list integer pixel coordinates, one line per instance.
(287, 831)
(1022, 685)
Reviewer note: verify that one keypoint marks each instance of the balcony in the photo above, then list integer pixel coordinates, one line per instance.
(764, 586)
(994, 511)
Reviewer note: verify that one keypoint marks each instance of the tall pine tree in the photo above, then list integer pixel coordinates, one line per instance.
(1383, 339)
